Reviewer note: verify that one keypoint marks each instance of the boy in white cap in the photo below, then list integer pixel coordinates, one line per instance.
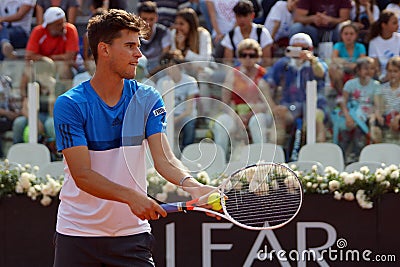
(56, 39)
(292, 73)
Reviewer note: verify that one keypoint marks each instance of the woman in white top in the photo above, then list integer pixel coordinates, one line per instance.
(384, 40)
(188, 36)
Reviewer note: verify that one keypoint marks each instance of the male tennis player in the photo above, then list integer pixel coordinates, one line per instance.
(102, 218)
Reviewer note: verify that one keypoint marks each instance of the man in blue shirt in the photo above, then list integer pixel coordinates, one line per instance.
(102, 128)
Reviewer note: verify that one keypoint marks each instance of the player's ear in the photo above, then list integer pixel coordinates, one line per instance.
(103, 49)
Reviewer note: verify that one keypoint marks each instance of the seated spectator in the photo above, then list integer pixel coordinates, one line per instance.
(159, 39)
(56, 39)
(185, 89)
(394, 6)
(360, 99)
(316, 18)
(70, 8)
(107, 4)
(15, 27)
(167, 10)
(292, 72)
(384, 41)
(279, 21)
(344, 56)
(248, 110)
(189, 37)
(388, 114)
(364, 13)
(45, 71)
(244, 13)
(222, 20)
(9, 108)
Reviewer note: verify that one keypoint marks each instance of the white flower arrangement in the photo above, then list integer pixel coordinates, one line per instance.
(362, 185)
(18, 179)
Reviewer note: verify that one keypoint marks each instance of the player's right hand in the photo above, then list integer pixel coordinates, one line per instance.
(146, 208)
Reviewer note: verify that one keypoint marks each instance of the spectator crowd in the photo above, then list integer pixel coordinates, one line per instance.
(269, 49)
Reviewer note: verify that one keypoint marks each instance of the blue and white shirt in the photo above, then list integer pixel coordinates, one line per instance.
(116, 138)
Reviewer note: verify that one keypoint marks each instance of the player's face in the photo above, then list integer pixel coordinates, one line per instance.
(150, 18)
(125, 53)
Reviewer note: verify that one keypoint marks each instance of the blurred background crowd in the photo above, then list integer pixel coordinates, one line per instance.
(238, 68)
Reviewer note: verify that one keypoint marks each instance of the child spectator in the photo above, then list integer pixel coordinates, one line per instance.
(394, 6)
(388, 115)
(344, 56)
(384, 41)
(360, 99)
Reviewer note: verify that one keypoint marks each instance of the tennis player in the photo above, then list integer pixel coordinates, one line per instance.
(103, 215)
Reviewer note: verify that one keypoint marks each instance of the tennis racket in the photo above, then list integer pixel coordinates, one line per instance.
(256, 197)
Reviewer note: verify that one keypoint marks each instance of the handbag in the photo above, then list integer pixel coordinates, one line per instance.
(325, 47)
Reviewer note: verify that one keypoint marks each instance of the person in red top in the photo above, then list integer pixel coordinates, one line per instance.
(249, 109)
(56, 39)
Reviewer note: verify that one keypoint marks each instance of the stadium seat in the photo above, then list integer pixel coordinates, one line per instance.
(385, 153)
(204, 156)
(372, 166)
(29, 153)
(328, 154)
(267, 152)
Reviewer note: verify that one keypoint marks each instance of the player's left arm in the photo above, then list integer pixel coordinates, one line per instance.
(171, 168)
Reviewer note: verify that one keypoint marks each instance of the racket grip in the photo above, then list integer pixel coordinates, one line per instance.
(172, 207)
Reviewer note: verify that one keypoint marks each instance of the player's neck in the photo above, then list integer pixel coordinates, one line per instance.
(109, 90)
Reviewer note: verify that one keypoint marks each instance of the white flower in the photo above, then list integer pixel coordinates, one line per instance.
(392, 168)
(362, 200)
(315, 185)
(358, 176)
(323, 185)
(36, 168)
(25, 180)
(331, 170)
(169, 187)
(395, 174)
(333, 185)
(314, 168)
(293, 166)
(162, 196)
(32, 193)
(337, 195)
(320, 178)
(349, 196)
(46, 200)
(309, 184)
(18, 188)
(364, 169)
(349, 179)
(385, 184)
(203, 177)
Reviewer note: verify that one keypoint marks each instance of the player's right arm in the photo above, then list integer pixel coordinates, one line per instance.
(78, 160)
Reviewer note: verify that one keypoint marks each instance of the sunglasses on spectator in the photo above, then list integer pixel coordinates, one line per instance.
(250, 55)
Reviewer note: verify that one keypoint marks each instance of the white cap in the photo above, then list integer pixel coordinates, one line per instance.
(301, 38)
(52, 14)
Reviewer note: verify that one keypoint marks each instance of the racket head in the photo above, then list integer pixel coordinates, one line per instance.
(261, 196)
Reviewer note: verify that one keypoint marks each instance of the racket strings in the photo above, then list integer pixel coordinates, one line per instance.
(265, 194)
